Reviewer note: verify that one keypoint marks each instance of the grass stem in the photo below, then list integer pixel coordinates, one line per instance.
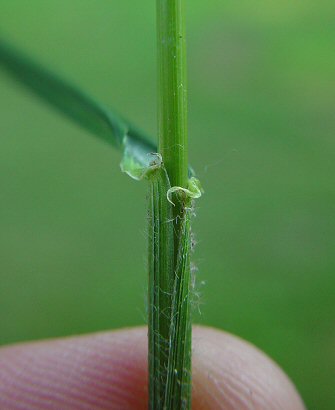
(172, 90)
(169, 223)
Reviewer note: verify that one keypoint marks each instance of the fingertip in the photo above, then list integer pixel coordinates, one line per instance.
(109, 371)
(101, 371)
(231, 374)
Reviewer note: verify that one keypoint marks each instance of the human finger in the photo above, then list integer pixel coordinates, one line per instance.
(108, 370)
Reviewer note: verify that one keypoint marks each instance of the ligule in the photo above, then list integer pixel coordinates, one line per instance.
(169, 301)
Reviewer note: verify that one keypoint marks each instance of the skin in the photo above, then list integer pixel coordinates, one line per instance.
(109, 371)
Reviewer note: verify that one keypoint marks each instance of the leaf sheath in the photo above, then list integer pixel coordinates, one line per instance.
(169, 298)
(161, 274)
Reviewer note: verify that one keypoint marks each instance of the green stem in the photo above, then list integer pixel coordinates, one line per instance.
(161, 273)
(169, 224)
(169, 296)
(172, 90)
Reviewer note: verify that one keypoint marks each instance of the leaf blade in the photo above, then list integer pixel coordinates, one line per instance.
(77, 105)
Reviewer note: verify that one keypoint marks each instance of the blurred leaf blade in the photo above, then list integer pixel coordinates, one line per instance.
(80, 108)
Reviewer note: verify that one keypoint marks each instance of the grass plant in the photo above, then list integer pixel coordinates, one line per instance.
(172, 189)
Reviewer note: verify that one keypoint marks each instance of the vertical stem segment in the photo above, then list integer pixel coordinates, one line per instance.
(172, 90)
(169, 224)
(161, 274)
(169, 297)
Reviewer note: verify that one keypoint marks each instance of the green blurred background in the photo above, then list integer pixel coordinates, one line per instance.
(73, 228)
